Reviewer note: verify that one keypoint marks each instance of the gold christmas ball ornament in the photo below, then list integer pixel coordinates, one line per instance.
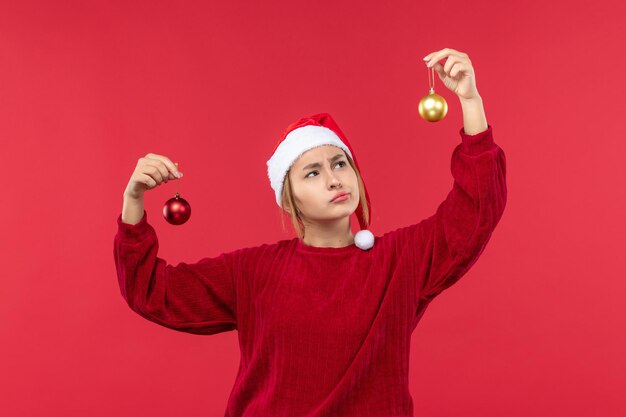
(432, 107)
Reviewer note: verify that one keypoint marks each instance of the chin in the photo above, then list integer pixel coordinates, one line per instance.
(347, 212)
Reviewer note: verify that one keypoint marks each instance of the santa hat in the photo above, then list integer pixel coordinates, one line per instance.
(302, 135)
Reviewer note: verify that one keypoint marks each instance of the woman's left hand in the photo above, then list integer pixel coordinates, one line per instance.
(457, 72)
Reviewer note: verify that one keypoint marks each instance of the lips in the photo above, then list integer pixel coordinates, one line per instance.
(339, 195)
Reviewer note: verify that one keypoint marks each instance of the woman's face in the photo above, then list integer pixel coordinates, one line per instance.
(316, 177)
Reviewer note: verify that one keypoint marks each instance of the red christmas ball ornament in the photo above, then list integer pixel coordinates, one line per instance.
(176, 210)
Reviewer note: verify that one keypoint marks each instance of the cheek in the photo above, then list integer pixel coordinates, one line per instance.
(350, 174)
(355, 191)
(303, 193)
(355, 199)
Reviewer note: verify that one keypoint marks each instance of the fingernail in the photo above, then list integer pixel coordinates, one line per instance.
(425, 58)
(180, 174)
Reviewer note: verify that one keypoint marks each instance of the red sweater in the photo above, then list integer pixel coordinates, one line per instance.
(323, 332)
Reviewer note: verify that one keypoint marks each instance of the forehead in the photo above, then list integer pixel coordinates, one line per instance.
(318, 154)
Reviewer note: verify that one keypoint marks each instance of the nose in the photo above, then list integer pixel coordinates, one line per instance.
(333, 181)
(330, 176)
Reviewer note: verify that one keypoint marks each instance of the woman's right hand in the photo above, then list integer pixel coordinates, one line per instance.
(150, 172)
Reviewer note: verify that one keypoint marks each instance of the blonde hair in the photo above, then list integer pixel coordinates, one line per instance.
(289, 202)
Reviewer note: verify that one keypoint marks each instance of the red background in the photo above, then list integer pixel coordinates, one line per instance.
(535, 328)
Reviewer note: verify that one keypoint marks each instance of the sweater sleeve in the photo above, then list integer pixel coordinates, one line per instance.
(195, 298)
(449, 242)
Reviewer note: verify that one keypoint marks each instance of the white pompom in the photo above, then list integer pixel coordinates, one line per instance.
(364, 239)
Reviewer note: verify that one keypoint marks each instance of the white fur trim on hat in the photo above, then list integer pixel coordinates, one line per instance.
(297, 142)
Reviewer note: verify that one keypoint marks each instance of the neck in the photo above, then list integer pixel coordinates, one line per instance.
(331, 235)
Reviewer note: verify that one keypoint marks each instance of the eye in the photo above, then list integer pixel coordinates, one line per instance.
(340, 162)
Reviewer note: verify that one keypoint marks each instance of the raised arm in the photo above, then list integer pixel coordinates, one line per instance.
(449, 242)
(197, 298)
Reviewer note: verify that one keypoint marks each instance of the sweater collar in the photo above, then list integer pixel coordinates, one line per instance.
(300, 245)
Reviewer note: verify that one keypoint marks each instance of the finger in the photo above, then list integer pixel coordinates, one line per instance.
(165, 173)
(439, 55)
(456, 69)
(156, 171)
(449, 51)
(436, 57)
(171, 175)
(147, 180)
(434, 54)
(439, 70)
(180, 174)
(450, 62)
(173, 168)
(455, 52)
(168, 166)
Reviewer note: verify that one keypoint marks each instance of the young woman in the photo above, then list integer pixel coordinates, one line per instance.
(325, 319)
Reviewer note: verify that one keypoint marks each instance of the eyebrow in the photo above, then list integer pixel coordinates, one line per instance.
(317, 164)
